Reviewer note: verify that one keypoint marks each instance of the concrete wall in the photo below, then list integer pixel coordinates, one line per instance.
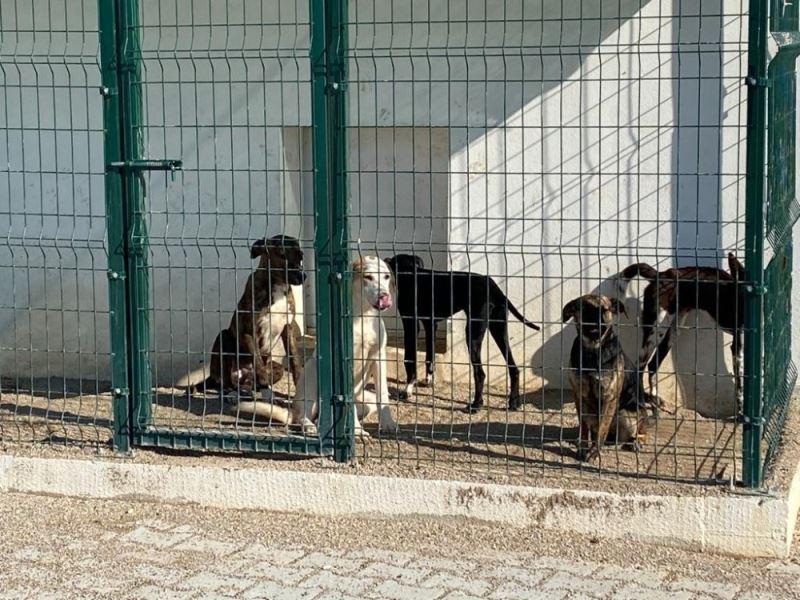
(509, 138)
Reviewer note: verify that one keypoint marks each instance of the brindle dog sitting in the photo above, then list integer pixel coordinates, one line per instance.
(232, 365)
(266, 312)
(607, 393)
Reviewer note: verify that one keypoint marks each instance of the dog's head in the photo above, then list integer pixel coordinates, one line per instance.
(373, 284)
(593, 315)
(404, 264)
(281, 253)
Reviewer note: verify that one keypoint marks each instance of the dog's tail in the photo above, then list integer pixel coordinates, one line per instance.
(265, 410)
(640, 269)
(501, 297)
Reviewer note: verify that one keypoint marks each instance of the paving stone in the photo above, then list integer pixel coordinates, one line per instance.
(206, 546)
(404, 575)
(635, 592)
(157, 592)
(575, 567)
(476, 587)
(338, 583)
(530, 577)
(338, 564)
(398, 559)
(727, 591)
(209, 581)
(516, 591)
(159, 539)
(273, 556)
(642, 577)
(397, 591)
(459, 595)
(572, 584)
(269, 590)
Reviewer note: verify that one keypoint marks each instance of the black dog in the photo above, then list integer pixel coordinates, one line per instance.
(432, 296)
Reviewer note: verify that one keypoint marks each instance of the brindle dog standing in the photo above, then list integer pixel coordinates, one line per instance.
(677, 291)
(265, 312)
(607, 392)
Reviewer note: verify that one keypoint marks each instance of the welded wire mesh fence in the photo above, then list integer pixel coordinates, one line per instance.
(54, 349)
(504, 158)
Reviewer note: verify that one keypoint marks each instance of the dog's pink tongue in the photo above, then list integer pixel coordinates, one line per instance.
(384, 301)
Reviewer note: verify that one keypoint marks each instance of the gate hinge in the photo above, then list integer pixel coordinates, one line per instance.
(106, 91)
(757, 81)
(120, 392)
(115, 275)
(146, 165)
(334, 87)
(757, 421)
(755, 290)
(339, 400)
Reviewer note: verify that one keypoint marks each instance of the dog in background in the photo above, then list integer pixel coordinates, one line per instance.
(265, 314)
(429, 296)
(372, 289)
(677, 291)
(608, 397)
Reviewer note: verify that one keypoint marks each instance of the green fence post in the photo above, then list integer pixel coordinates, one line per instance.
(138, 274)
(115, 225)
(334, 331)
(754, 241)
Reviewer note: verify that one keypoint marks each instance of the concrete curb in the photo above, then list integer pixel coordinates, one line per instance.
(732, 524)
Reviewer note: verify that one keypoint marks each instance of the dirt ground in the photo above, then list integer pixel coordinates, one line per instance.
(437, 438)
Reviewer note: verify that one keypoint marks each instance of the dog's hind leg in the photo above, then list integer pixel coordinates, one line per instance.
(430, 343)
(664, 346)
(409, 355)
(499, 331)
(289, 338)
(476, 331)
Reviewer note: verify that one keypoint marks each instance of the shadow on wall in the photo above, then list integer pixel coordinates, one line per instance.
(697, 374)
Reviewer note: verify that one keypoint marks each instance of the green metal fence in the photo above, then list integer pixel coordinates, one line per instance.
(546, 144)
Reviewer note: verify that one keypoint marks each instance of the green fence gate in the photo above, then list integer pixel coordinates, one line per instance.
(191, 94)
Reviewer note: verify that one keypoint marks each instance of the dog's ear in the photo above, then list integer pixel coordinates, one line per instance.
(569, 310)
(391, 263)
(736, 268)
(617, 306)
(418, 262)
(258, 248)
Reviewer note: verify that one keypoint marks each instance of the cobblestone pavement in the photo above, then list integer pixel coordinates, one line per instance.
(65, 548)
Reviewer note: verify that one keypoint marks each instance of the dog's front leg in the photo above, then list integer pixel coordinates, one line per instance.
(430, 344)
(608, 396)
(289, 338)
(386, 422)
(409, 355)
(737, 349)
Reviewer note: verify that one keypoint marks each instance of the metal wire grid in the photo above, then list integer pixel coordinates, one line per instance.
(54, 350)
(225, 88)
(550, 145)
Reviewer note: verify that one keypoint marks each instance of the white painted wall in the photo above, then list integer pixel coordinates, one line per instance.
(546, 151)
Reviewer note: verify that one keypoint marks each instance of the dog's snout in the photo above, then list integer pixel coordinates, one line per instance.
(384, 301)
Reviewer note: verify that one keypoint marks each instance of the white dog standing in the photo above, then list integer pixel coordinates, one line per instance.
(372, 294)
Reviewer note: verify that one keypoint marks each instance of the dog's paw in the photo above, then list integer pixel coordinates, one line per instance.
(389, 427)
(590, 455)
(473, 408)
(408, 391)
(514, 403)
(428, 381)
(362, 433)
(307, 428)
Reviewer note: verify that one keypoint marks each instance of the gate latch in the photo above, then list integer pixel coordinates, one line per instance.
(146, 165)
